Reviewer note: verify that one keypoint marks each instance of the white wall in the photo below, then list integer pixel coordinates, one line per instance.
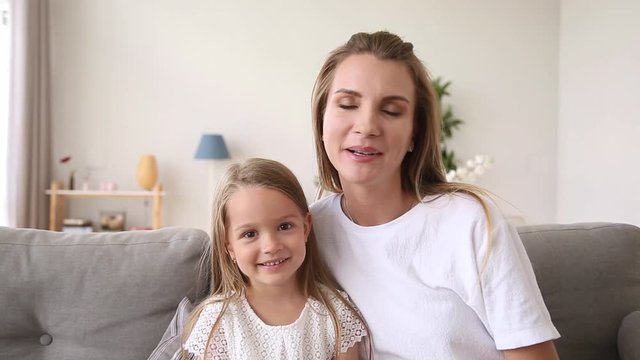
(599, 113)
(150, 76)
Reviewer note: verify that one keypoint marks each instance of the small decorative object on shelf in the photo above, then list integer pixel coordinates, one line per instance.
(76, 225)
(147, 172)
(112, 220)
(108, 186)
(72, 173)
(76, 222)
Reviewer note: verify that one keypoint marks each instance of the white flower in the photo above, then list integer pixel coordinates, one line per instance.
(472, 168)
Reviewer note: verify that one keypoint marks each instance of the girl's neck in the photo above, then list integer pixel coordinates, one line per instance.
(276, 305)
(369, 207)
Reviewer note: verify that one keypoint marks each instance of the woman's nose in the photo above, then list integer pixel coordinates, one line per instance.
(366, 122)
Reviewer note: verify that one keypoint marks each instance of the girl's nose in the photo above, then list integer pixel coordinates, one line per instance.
(271, 244)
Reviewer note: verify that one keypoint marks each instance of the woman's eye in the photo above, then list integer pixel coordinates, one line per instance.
(347, 107)
(250, 234)
(285, 226)
(391, 113)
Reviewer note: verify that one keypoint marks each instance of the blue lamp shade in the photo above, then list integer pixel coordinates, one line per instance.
(212, 146)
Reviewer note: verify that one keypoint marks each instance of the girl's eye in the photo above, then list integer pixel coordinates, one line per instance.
(250, 234)
(285, 226)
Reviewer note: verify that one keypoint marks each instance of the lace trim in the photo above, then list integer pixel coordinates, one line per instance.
(311, 336)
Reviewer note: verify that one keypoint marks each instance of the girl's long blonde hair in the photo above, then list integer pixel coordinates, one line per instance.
(226, 281)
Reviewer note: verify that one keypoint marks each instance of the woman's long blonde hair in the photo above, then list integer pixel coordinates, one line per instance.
(422, 170)
(227, 283)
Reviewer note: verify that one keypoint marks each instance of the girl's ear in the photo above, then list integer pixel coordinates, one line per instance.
(230, 251)
(307, 226)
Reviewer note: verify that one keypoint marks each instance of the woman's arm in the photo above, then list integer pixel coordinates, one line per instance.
(351, 354)
(542, 351)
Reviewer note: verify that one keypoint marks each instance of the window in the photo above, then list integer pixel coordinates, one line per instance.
(5, 50)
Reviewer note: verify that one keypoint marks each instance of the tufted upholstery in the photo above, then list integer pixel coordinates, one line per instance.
(92, 296)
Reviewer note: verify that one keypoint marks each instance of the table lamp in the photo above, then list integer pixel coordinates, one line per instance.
(212, 146)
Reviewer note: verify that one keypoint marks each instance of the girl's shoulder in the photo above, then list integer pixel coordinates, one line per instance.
(338, 300)
(349, 318)
(199, 336)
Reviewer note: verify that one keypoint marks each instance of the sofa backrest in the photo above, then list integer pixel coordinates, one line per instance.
(589, 275)
(92, 296)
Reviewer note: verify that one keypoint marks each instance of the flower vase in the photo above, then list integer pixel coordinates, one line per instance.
(72, 180)
(147, 172)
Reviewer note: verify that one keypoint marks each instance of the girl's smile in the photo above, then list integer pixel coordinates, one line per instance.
(267, 236)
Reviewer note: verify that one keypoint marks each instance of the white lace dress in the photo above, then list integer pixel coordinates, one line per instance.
(243, 335)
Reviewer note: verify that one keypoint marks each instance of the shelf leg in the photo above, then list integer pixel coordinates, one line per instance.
(56, 207)
(157, 206)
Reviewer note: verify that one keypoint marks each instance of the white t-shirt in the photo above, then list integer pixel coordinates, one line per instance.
(243, 335)
(419, 283)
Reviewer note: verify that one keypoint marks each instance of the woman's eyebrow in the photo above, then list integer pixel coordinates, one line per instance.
(386, 98)
(349, 92)
(396, 97)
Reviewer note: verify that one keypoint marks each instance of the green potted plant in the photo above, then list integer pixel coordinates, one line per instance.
(455, 171)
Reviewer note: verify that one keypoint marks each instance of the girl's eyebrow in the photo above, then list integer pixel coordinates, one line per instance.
(386, 98)
(246, 226)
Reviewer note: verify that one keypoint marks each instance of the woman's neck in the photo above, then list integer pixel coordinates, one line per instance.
(369, 207)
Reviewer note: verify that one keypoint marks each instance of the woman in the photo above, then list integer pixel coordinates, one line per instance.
(435, 269)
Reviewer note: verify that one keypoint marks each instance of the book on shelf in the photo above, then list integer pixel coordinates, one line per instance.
(77, 229)
(76, 222)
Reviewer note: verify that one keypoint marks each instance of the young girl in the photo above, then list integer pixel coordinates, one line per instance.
(271, 297)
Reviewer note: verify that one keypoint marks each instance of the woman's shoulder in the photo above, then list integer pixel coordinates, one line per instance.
(326, 203)
(463, 205)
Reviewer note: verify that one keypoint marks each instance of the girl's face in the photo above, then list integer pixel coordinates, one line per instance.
(266, 235)
(368, 121)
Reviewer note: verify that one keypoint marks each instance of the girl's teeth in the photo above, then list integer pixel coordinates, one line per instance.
(273, 263)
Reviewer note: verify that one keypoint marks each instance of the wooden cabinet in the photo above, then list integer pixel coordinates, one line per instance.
(59, 196)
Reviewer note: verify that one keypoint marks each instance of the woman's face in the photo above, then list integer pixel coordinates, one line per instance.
(368, 121)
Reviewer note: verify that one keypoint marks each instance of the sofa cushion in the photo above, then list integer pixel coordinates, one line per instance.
(92, 296)
(629, 337)
(590, 280)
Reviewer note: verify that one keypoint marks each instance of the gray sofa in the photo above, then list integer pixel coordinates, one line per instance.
(92, 296)
(112, 295)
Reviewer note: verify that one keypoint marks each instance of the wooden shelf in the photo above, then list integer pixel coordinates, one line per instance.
(99, 193)
(58, 195)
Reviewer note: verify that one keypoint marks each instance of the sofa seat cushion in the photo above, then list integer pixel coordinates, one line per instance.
(92, 296)
(629, 337)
